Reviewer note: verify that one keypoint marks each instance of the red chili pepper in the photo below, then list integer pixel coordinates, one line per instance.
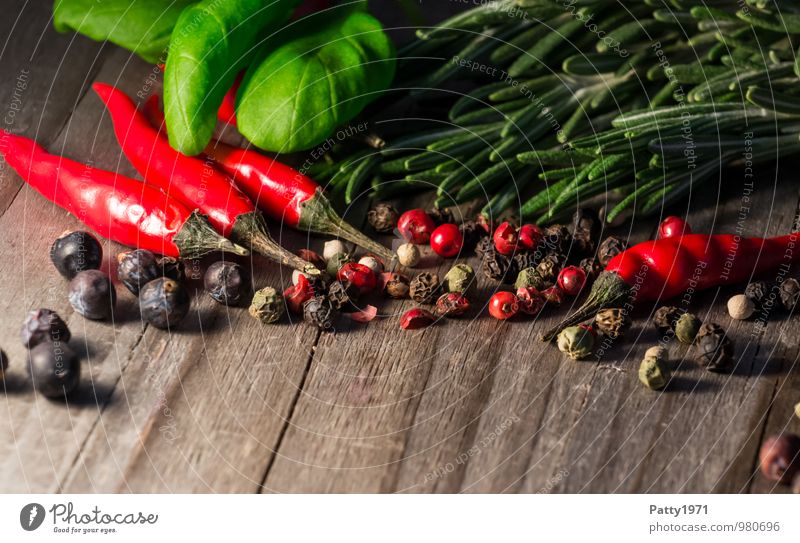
(287, 195)
(117, 207)
(193, 181)
(665, 268)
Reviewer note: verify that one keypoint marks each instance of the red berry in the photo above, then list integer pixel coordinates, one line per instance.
(506, 239)
(531, 300)
(297, 295)
(360, 276)
(416, 318)
(447, 241)
(486, 224)
(553, 295)
(571, 280)
(416, 226)
(529, 236)
(452, 304)
(673, 226)
(503, 305)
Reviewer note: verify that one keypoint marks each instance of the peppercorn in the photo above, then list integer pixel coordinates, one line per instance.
(529, 277)
(550, 267)
(341, 294)
(459, 278)
(54, 368)
(408, 255)
(267, 305)
(373, 263)
(296, 295)
(496, 266)
(658, 351)
(503, 305)
(415, 226)
(759, 292)
(3, 363)
(611, 247)
(526, 259)
(74, 252)
(591, 266)
(472, 234)
(43, 325)
(442, 215)
(336, 262)
(557, 238)
(576, 342)
(172, 268)
(416, 318)
(740, 307)
(424, 288)
(613, 322)
(92, 295)
(451, 304)
(383, 217)
(332, 248)
(585, 222)
(714, 349)
(530, 236)
(531, 300)
(484, 246)
(789, 292)
(137, 268)
(228, 283)
(780, 457)
(397, 286)
(318, 311)
(553, 295)
(686, 328)
(571, 280)
(164, 303)
(654, 372)
(664, 319)
(312, 257)
(360, 276)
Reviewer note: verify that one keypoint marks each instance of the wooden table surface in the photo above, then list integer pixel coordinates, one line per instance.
(224, 404)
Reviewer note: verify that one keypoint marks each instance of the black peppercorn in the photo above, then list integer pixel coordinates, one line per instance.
(172, 268)
(424, 288)
(397, 286)
(665, 318)
(163, 302)
(54, 369)
(137, 268)
(484, 246)
(340, 295)
(550, 267)
(441, 215)
(228, 283)
(383, 217)
(319, 312)
(759, 293)
(526, 259)
(611, 247)
(780, 457)
(586, 221)
(92, 295)
(498, 267)
(557, 238)
(789, 292)
(591, 266)
(43, 325)
(75, 252)
(472, 233)
(713, 348)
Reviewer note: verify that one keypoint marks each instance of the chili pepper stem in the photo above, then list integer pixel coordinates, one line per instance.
(251, 229)
(317, 215)
(197, 237)
(609, 290)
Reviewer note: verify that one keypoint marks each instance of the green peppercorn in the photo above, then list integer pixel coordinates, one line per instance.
(528, 278)
(459, 278)
(576, 342)
(654, 372)
(686, 328)
(267, 305)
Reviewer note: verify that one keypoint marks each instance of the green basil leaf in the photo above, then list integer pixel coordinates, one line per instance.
(141, 26)
(212, 41)
(305, 88)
